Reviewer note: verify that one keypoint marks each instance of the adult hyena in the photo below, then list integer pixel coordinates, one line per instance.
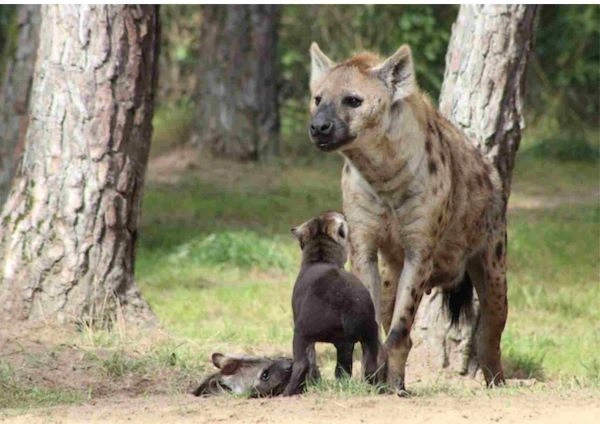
(416, 192)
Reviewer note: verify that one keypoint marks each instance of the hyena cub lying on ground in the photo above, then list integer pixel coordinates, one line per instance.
(329, 304)
(252, 375)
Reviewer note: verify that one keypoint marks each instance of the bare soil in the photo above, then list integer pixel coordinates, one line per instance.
(548, 408)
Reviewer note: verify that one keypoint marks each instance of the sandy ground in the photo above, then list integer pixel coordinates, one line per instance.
(540, 407)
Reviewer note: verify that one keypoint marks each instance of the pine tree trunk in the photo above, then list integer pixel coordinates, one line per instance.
(238, 105)
(14, 94)
(482, 93)
(69, 225)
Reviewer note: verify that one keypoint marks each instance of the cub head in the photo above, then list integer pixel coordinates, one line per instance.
(252, 375)
(326, 233)
(351, 102)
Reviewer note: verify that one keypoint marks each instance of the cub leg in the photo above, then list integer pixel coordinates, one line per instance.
(343, 368)
(300, 367)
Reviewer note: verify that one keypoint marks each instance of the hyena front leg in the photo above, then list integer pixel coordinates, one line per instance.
(488, 273)
(415, 273)
(363, 257)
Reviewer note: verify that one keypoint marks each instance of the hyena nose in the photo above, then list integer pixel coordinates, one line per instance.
(321, 128)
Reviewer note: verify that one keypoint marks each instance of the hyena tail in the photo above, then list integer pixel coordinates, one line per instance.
(459, 300)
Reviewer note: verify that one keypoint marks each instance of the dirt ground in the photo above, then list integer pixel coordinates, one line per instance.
(444, 398)
(577, 407)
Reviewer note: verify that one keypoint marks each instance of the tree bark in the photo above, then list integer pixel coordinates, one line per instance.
(69, 225)
(14, 95)
(482, 93)
(238, 96)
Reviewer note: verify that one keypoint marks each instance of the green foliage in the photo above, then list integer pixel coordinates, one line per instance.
(559, 147)
(565, 65)
(179, 52)
(172, 126)
(8, 34)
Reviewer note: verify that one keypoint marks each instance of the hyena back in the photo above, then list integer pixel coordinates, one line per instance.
(416, 193)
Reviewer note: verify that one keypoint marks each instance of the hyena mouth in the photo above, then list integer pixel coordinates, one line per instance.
(331, 144)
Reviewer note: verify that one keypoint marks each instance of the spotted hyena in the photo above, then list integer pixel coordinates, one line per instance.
(416, 193)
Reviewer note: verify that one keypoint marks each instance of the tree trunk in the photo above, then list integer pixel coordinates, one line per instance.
(14, 97)
(69, 225)
(239, 111)
(482, 93)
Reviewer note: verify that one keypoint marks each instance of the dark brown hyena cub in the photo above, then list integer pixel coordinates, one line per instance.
(251, 375)
(329, 304)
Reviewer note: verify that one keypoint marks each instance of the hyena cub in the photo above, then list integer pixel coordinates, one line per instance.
(253, 375)
(329, 304)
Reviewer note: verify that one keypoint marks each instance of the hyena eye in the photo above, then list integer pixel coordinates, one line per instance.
(265, 375)
(341, 232)
(352, 101)
(317, 100)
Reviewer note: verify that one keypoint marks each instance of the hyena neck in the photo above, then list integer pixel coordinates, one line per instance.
(322, 249)
(393, 161)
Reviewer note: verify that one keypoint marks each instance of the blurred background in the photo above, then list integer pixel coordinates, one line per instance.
(215, 258)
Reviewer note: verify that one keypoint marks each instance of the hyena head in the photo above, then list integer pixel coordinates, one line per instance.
(352, 102)
(324, 237)
(252, 375)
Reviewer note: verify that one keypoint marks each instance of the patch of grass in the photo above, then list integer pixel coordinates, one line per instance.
(343, 387)
(242, 249)
(554, 272)
(16, 391)
(119, 364)
(550, 177)
(522, 358)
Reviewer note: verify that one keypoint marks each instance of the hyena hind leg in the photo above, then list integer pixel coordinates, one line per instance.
(488, 273)
(390, 268)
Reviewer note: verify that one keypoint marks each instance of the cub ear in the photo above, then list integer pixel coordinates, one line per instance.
(217, 359)
(226, 364)
(297, 232)
(320, 64)
(398, 72)
(302, 230)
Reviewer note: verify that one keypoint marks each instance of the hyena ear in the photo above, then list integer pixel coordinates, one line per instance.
(398, 72)
(319, 63)
(217, 359)
(303, 230)
(226, 364)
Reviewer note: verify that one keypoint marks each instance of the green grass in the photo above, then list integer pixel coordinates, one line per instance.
(217, 264)
(17, 392)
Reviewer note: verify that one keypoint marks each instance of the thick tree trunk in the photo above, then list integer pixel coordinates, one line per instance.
(14, 94)
(482, 93)
(238, 107)
(69, 225)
